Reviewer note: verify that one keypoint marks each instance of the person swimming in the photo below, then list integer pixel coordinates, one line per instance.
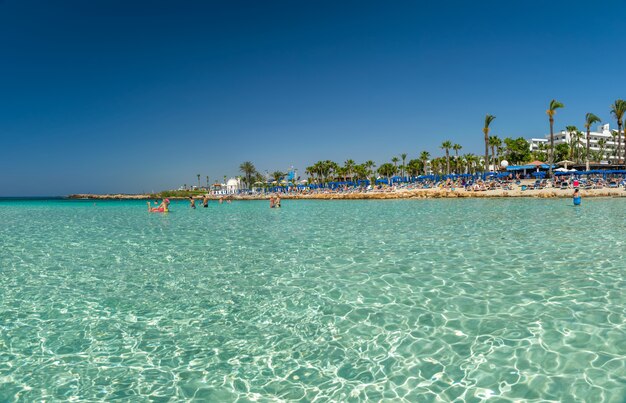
(161, 208)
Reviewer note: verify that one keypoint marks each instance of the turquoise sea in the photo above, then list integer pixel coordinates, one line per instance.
(409, 300)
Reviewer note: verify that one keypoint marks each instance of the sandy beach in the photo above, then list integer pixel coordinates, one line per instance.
(436, 193)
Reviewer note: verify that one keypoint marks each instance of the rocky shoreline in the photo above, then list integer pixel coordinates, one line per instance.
(397, 194)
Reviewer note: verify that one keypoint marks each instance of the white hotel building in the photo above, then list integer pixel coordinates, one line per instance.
(604, 132)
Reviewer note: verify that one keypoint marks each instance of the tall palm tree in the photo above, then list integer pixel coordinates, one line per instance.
(590, 119)
(207, 181)
(247, 168)
(403, 156)
(494, 143)
(554, 105)
(198, 175)
(488, 120)
(617, 109)
(424, 156)
(456, 148)
(447, 145)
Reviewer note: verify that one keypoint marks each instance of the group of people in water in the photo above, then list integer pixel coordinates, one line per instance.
(163, 207)
(274, 201)
(205, 201)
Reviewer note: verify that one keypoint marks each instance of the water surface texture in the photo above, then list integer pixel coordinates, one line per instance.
(415, 300)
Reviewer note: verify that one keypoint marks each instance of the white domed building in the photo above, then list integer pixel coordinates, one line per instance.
(234, 185)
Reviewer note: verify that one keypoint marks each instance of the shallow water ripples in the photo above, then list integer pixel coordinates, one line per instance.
(346, 301)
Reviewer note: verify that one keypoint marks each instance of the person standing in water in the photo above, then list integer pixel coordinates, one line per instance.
(192, 202)
(277, 201)
(576, 197)
(205, 201)
(272, 204)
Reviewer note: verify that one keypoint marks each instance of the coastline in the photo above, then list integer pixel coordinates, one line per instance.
(389, 194)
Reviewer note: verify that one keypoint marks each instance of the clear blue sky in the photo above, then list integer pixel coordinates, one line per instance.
(123, 96)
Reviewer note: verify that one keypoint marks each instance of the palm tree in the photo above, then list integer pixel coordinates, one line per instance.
(434, 166)
(403, 156)
(590, 119)
(248, 169)
(207, 181)
(494, 143)
(470, 160)
(349, 167)
(456, 148)
(369, 168)
(277, 175)
(488, 120)
(198, 175)
(395, 164)
(413, 167)
(424, 156)
(554, 105)
(601, 144)
(447, 145)
(617, 109)
(579, 135)
(387, 170)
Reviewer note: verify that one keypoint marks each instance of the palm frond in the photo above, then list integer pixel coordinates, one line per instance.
(554, 105)
(590, 119)
(488, 120)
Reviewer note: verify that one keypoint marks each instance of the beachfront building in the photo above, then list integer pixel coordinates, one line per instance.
(234, 185)
(603, 140)
(538, 144)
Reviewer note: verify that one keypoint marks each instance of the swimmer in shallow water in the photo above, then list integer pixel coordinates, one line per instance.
(161, 208)
(205, 201)
(192, 202)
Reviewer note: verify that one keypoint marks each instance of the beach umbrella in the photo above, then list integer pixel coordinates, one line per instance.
(565, 163)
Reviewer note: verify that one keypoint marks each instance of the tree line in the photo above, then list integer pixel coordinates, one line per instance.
(515, 150)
